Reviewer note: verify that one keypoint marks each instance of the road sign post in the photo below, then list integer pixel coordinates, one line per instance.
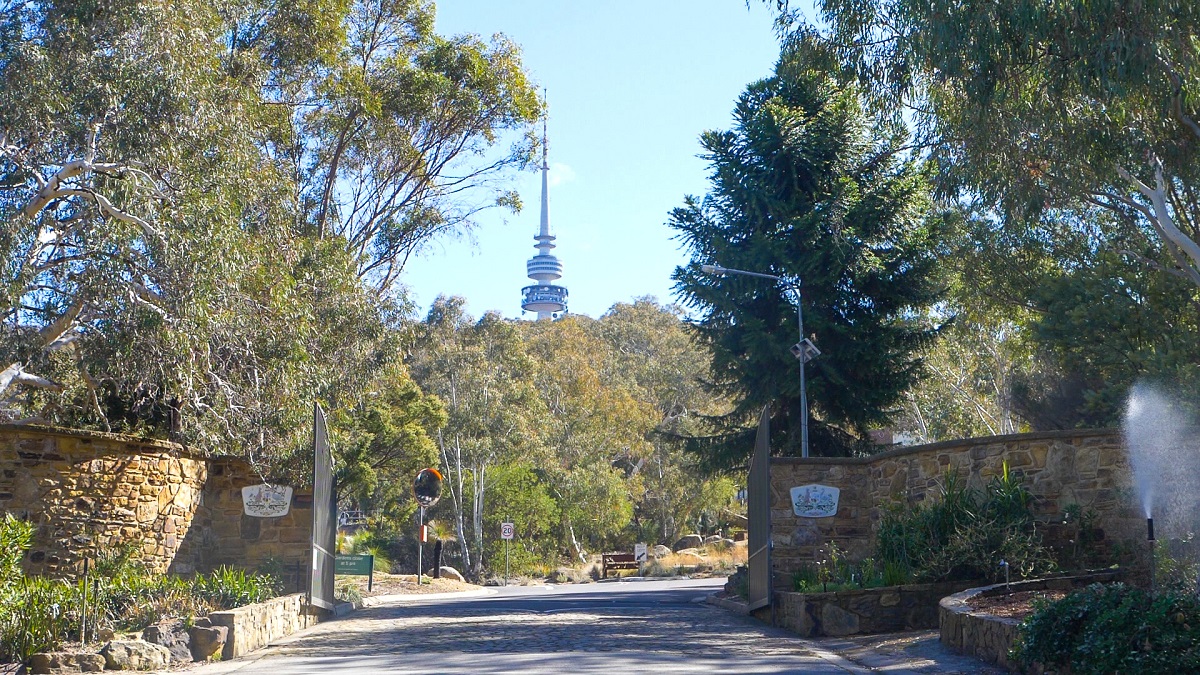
(506, 533)
(639, 556)
(427, 488)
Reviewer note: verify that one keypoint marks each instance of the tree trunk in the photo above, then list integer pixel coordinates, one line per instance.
(455, 473)
(478, 519)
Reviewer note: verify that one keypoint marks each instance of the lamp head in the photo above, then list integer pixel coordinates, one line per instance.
(712, 269)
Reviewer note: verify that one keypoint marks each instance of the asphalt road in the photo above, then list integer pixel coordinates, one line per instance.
(657, 627)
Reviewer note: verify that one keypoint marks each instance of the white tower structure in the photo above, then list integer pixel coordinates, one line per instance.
(544, 297)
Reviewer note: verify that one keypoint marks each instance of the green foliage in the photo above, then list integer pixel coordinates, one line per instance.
(227, 587)
(516, 494)
(383, 441)
(1177, 565)
(234, 188)
(15, 538)
(571, 428)
(1113, 628)
(965, 535)
(808, 186)
(347, 591)
(39, 618)
(835, 572)
(39, 613)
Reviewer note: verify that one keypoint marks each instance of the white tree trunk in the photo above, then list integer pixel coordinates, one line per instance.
(454, 470)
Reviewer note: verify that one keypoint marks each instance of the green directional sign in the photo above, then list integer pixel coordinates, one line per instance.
(354, 564)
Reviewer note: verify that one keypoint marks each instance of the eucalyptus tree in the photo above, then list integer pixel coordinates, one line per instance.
(395, 135)
(484, 374)
(809, 187)
(1029, 107)
(652, 352)
(204, 205)
(596, 430)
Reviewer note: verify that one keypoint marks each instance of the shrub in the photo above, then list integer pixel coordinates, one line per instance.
(38, 619)
(35, 613)
(965, 534)
(1113, 629)
(347, 591)
(836, 572)
(227, 588)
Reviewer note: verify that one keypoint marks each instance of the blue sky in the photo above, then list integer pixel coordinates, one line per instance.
(631, 87)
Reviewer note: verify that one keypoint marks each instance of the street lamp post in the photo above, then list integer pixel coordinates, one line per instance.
(804, 350)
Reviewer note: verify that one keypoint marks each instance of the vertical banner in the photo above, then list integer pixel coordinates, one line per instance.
(758, 515)
(324, 531)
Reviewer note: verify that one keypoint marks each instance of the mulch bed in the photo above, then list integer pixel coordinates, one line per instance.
(1013, 605)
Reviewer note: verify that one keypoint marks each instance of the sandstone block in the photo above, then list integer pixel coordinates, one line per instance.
(688, 541)
(134, 655)
(207, 640)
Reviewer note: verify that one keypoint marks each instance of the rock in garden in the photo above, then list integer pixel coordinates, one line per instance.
(135, 655)
(661, 551)
(60, 662)
(450, 573)
(207, 640)
(688, 541)
(712, 539)
(174, 636)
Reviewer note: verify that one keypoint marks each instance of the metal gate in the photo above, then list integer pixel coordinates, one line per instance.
(758, 514)
(324, 532)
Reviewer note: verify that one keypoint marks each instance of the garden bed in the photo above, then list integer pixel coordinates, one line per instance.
(885, 609)
(983, 622)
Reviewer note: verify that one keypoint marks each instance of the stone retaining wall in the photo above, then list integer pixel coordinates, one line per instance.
(89, 492)
(989, 637)
(870, 610)
(256, 626)
(1088, 468)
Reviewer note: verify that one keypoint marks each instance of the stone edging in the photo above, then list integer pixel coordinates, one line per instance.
(990, 637)
(739, 608)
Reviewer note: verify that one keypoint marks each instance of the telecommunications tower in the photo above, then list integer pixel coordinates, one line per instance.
(544, 296)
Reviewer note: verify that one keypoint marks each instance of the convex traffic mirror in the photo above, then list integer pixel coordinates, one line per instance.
(427, 487)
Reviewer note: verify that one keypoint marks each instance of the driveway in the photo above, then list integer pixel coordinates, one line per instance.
(617, 628)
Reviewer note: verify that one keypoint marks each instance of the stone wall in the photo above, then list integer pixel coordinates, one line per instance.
(224, 535)
(870, 610)
(256, 626)
(89, 492)
(1086, 467)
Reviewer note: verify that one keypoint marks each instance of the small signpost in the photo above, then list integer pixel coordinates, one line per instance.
(506, 533)
(357, 565)
(640, 557)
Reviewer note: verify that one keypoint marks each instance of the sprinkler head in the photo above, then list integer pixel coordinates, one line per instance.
(1149, 529)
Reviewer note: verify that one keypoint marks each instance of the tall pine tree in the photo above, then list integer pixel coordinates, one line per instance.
(807, 187)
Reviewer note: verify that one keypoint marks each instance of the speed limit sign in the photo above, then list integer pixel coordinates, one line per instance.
(506, 530)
